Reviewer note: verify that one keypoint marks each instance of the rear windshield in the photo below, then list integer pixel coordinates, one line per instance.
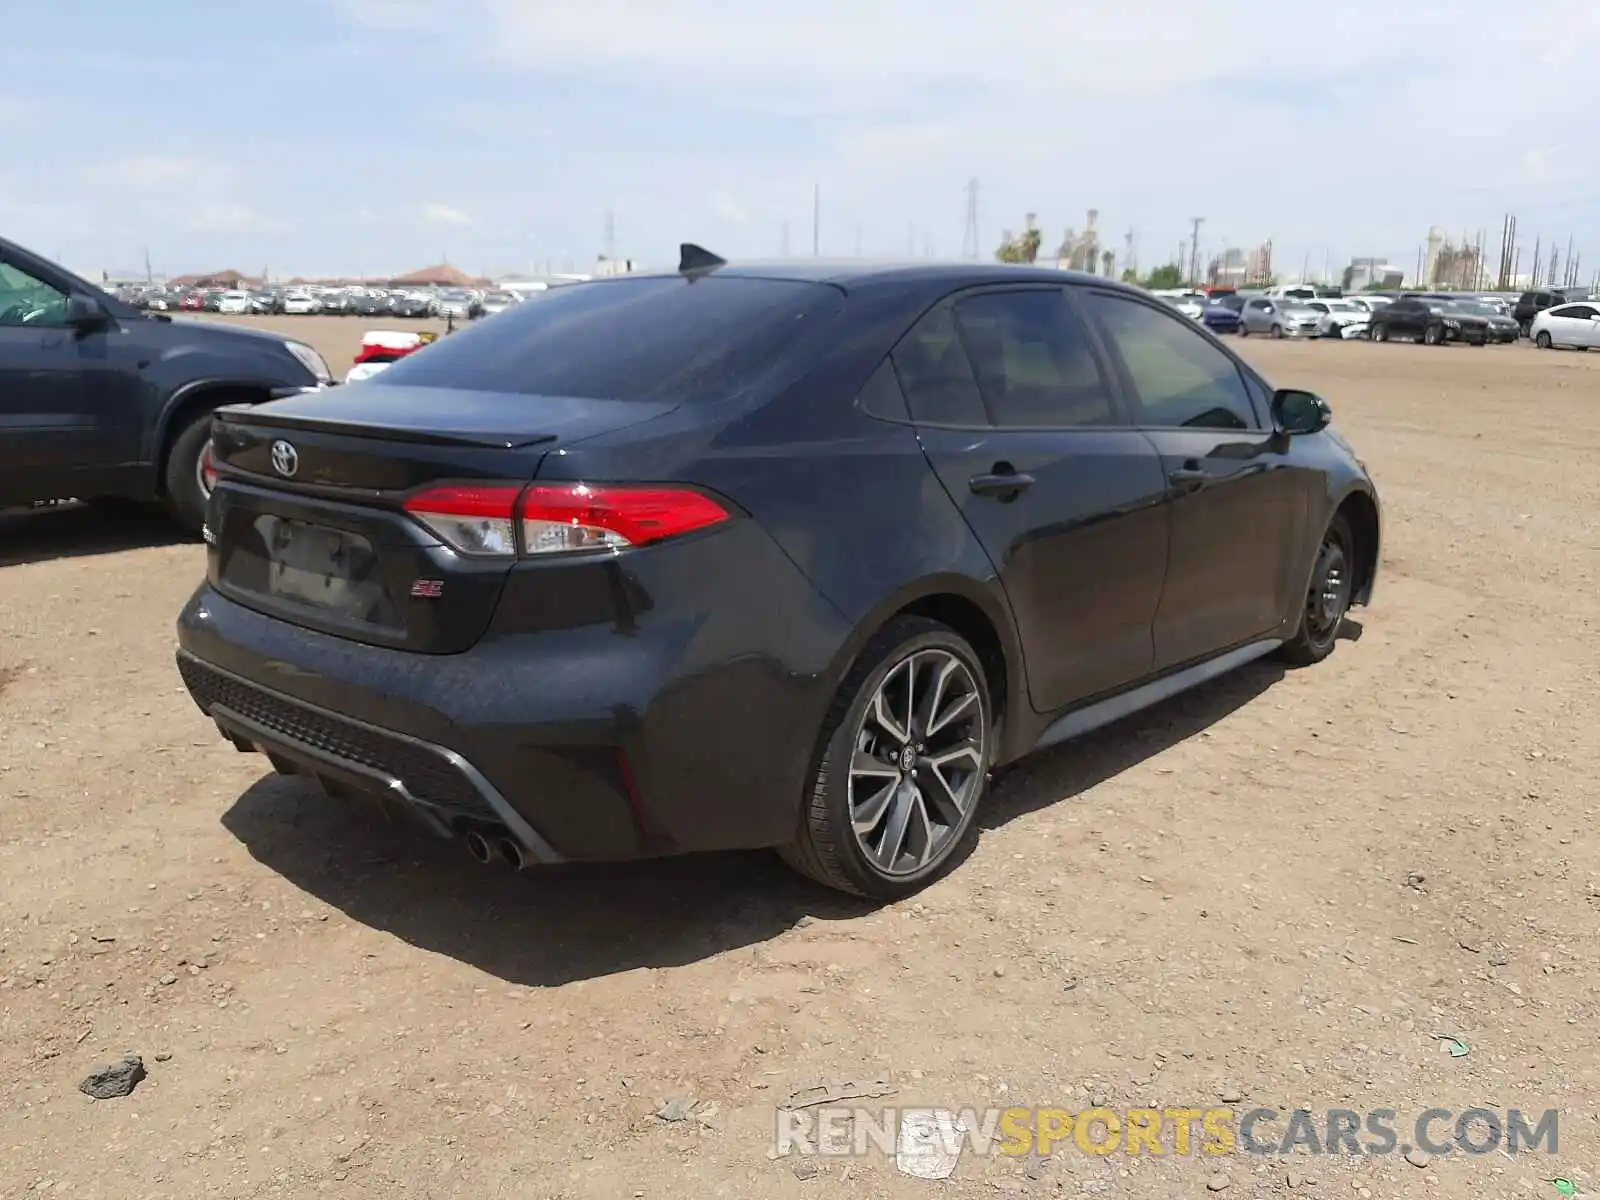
(655, 338)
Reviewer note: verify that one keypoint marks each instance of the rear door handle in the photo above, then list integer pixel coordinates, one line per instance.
(1188, 479)
(1007, 485)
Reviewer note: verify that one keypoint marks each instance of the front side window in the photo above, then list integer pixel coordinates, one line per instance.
(1034, 360)
(25, 300)
(1182, 380)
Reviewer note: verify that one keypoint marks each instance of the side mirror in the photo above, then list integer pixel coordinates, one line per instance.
(84, 312)
(1295, 412)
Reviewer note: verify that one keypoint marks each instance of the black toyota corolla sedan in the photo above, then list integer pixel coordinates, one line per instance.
(770, 555)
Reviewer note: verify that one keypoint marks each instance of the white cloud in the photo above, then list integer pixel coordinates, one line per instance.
(1151, 111)
(726, 207)
(443, 214)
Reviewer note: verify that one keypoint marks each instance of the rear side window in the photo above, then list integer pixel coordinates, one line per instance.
(1183, 381)
(654, 338)
(1581, 311)
(1034, 360)
(935, 374)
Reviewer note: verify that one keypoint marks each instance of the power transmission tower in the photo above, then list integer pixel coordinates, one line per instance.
(969, 238)
(1194, 251)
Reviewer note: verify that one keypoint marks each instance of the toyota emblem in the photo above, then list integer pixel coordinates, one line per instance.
(285, 459)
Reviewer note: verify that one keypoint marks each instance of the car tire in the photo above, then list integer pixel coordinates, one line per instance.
(849, 821)
(1433, 335)
(1378, 333)
(1327, 599)
(1277, 331)
(186, 495)
(1244, 330)
(1543, 340)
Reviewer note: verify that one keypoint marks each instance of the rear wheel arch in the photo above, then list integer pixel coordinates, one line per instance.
(971, 610)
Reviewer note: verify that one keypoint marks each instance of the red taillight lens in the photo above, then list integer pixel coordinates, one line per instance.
(567, 518)
(480, 519)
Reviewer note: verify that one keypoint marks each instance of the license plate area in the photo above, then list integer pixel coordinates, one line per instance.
(316, 565)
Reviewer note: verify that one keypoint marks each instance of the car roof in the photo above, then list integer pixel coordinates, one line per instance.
(848, 273)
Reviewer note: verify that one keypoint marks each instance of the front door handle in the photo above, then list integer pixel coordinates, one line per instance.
(1188, 479)
(1004, 484)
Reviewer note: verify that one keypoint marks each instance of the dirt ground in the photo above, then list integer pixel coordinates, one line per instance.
(1278, 890)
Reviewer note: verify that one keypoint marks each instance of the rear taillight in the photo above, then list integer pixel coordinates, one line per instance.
(484, 519)
(476, 519)
(563, 518)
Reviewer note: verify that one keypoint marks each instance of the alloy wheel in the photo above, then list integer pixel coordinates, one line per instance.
(1329, 597)
(918, 763)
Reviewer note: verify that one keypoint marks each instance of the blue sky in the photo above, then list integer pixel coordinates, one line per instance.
(356, 136)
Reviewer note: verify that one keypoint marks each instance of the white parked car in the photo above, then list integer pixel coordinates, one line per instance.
(237, 303)
(301, 304)
(1188, 305)
(1567, 325)
(1339, 318)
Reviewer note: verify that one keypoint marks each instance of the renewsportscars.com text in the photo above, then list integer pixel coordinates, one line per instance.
(846, 1130)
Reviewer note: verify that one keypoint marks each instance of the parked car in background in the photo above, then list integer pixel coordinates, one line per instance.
(234, 303)
(457, 304)
(413, 304)
(337, 304)
(1427, 321)
(1051, 502)
(1278, 316)
(263, 303)
(1190, 306)
(1219, 317)
(1533, 302)
(1567, 325)
(1339, 318)
(102, 400)
(1503, 329)
(298, 304)
(372, 304)
(496, 302)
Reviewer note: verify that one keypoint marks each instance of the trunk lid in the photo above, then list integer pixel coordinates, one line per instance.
(307, 521)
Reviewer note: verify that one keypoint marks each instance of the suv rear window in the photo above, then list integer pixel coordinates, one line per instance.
(655, 338)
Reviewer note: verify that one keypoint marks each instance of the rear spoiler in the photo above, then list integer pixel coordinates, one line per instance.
(244, 414)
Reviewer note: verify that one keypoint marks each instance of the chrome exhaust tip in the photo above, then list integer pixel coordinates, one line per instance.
(512, 853)
(478, 847)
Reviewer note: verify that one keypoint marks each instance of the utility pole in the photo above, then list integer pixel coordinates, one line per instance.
(1194, 252)
(611, 236)
(969, 236)
(816, 220)
(1128, 263)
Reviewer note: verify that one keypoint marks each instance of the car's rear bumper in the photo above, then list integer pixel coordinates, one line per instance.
(687, 724)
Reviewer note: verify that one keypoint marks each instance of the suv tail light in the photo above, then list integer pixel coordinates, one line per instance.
(510, 520)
